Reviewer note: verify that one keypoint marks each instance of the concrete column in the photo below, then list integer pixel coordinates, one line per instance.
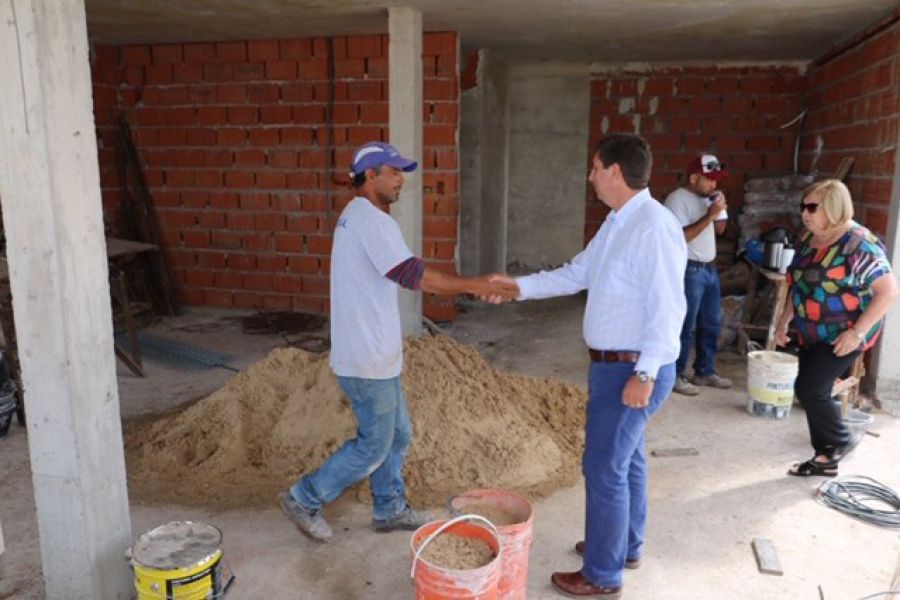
(885, 363)
(494, 77)
(549, 107)
(50, 186)
(405, 76)
(470, 180)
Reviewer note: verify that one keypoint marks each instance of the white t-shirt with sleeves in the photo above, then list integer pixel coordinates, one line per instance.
(366, 336)
(689, 208)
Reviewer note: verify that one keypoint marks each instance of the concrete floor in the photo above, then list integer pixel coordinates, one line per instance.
(705, 509)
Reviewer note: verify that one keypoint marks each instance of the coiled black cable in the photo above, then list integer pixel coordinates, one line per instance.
(850, 494)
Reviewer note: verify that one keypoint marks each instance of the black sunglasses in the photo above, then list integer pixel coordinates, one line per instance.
(808, 206)
(714, 166)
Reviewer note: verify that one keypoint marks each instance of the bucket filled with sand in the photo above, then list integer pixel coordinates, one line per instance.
(457, 559)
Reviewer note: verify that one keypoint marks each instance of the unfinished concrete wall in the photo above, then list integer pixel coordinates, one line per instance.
(549, 110)
(736, 112)
(493, 121)
(236, 146)
(470, 169)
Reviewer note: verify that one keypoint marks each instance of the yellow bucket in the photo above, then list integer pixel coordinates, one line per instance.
(181, 560)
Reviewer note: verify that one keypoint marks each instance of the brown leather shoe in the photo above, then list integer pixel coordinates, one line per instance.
(630, 563)
(576, 586)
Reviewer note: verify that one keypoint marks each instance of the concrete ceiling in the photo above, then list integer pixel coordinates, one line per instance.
(605, 31)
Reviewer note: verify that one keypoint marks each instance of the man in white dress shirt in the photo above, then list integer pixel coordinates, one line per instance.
(633, 270)
(701, 210)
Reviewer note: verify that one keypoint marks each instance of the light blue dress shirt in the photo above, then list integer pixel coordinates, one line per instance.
(633, 270)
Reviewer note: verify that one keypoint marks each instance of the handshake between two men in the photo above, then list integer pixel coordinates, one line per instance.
(496, 288)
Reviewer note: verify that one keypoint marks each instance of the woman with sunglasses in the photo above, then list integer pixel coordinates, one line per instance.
(841, 286)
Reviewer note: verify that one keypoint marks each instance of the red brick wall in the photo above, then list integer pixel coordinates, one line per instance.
(106, 76)
(735, 112)
(235, 146)
(854, 110)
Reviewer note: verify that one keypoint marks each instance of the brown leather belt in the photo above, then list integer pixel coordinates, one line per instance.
(613, 356)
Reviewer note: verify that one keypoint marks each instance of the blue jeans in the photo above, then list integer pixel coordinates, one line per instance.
(704, 315)
(383, 432)
(615, 470)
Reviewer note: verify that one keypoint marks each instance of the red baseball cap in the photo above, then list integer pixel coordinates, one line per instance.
(708, 166)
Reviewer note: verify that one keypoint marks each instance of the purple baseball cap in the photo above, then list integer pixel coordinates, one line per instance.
(376, 154)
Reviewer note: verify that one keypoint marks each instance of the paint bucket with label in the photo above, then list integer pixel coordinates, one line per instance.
(770, 383)
(181, 560)
(513, 517)
(437, 582)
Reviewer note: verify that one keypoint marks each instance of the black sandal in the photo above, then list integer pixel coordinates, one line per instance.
(812, 467)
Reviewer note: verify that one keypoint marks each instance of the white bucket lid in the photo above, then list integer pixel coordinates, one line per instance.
(176, 545)
(771, 356)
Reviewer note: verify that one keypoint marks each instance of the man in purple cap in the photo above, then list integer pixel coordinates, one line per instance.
(700, 208)
(369, 259)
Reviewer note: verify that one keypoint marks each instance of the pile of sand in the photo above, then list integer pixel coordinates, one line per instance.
(474, 427)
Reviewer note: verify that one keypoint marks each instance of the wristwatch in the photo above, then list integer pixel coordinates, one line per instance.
(643, 376)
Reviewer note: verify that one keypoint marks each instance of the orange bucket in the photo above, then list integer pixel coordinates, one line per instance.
(515, 538)
(434, 582)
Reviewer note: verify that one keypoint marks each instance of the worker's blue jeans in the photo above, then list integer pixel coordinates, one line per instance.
(378, 451)
(703, 319)
(615, 470)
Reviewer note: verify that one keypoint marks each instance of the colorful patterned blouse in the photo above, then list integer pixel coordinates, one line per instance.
(831, 286)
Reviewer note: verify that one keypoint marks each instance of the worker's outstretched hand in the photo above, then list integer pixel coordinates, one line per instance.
(498, 288)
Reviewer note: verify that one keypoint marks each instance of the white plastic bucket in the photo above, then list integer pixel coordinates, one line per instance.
(858, 421)
(770, 383)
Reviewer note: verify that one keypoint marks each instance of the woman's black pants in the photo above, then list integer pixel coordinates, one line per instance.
(818, 369)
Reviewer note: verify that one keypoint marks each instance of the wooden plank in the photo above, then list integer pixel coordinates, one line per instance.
(843, 385)
(138, 204)
(781, 288)
(121, 295)
(117, 247)
(766, 557)
(666, 452)
(123, 356)
(843, 168)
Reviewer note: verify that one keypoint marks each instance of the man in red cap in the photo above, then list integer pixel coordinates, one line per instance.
(700, 208)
